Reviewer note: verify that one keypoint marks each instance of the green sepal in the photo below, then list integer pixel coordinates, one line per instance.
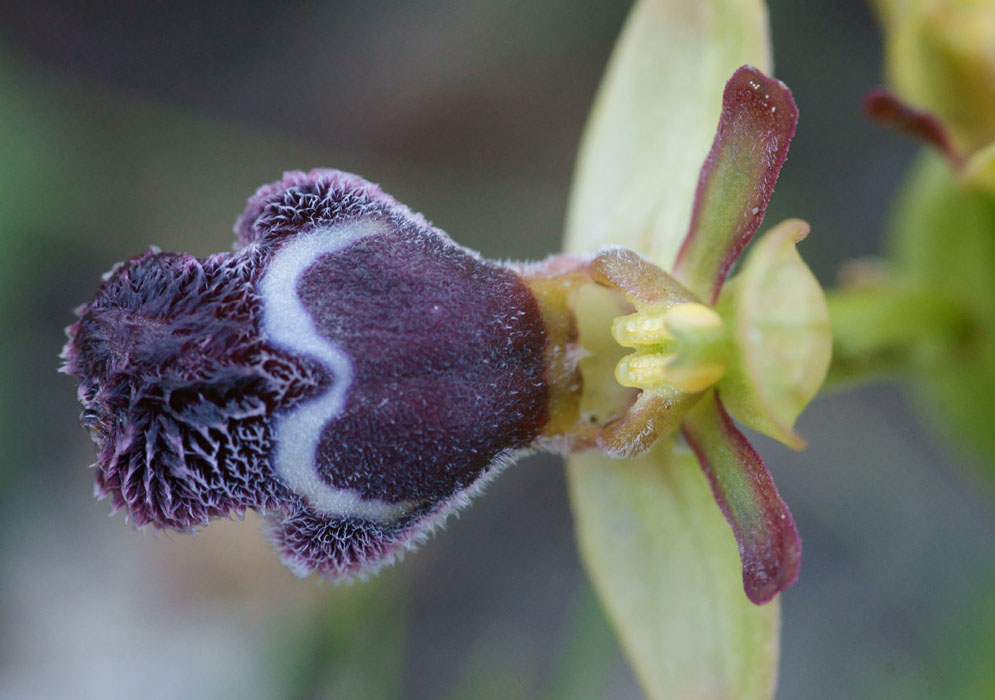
(782, 342)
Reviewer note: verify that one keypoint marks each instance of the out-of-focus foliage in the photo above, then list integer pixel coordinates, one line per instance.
(943, 237)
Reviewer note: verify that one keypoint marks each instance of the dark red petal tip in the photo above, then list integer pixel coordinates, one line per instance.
(769, 545)
(757, 123)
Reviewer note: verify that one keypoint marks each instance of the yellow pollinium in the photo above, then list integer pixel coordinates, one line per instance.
(682, 346)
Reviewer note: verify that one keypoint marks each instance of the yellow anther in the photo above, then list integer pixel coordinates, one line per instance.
(641, 328)
(658, 326)
(646, 372)
(683, 347)
(655, 372)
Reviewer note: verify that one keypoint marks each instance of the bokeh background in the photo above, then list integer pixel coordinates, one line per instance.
(123, 125)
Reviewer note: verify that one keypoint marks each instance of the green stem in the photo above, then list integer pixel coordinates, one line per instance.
(892, 327)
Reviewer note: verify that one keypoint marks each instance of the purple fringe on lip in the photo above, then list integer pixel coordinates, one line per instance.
(302, 201)
(177, 388)
(181, 386)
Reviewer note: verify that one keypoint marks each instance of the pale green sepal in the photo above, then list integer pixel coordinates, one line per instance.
(782, 341)
(654, 120)
(664, 562)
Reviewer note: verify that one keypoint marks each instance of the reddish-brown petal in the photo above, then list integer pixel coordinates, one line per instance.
(755, 128)
(769, 545)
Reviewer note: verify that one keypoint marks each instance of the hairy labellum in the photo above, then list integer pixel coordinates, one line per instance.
(349, 371)
(354, 375)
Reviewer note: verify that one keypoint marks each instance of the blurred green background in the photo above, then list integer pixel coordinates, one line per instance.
(128, 125)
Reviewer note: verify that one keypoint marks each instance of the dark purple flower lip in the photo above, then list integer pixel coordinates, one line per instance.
(349, 371)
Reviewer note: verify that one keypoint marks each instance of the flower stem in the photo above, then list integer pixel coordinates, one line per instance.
(892, 327)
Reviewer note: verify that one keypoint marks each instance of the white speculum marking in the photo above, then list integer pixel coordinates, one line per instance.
(288, 324)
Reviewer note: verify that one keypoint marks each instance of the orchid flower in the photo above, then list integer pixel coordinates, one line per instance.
(940, 64)
(356, 376)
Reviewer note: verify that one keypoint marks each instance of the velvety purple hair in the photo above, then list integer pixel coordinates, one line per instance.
(184, 382)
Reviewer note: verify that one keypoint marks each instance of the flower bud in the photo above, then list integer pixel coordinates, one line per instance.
(940, 57)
